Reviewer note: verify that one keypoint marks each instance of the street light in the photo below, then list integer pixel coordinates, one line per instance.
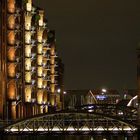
(104, 90)
(59, 90)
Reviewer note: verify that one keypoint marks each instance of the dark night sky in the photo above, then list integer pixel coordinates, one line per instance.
(97, 41)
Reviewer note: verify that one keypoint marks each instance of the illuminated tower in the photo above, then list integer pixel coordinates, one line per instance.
(28, 61)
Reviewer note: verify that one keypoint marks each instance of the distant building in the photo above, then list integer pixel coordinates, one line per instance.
(29, 70)
(74, 98)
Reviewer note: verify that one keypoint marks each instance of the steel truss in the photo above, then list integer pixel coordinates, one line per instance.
(71, 122)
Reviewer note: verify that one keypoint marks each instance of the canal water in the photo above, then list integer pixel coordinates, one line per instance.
(69, 137)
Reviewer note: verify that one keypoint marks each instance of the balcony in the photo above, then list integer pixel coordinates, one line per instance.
(33, 42)
(17, 44)
(33, 31)
(18, 75)
(33, 12)
(33, 82)
(45, 25)
(33, 56)
(33, 69)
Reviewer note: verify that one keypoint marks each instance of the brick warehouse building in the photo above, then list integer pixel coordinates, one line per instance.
(30, 70)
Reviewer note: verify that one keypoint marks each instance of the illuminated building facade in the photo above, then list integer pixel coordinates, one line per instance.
(29, 68)
(74, 98)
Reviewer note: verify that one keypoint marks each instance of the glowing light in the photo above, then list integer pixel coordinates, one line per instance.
(130, 102)
(58, 90)
(104, 90)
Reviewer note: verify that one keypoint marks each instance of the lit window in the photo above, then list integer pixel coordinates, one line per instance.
(29, 5)
(28, 77)
(11, 6)
(52, 69)
(40, 97)
(52, 78)
(40, 82)
(39, 59)
(52, 88)
(12, 70)
(52, 60)
(11, 54)
(11, 92)
(39, 35)
(28, 51)
(28, 22)
(27, 64)
(28, 92)
(39, 49)
(40, 71)
(27, 37)
(11, 22)
(11, 37)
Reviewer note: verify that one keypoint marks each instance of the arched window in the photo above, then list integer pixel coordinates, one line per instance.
(11, 6)
(11, 90)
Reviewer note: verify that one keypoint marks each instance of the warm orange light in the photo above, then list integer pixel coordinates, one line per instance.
(41, 14)
(39, 35)
(11, 90)
(40, 97)
(11, 37)
(40, 82)
(27, 64)
(28, 91)
(39, 59)
(52, 88)
(28, 19)
(28, 77)
(11, 6)
(52, 60)
(52, 100)
(52, 50)
(52, 69)
(13, 110)
(39, 49)
(52, 78)
(40, 71)
(27, 37)
(29, 5)
(11, 22)
(28, 50)
(11, 54)
(11, 70)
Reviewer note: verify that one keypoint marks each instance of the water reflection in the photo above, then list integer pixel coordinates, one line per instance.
(69, 137)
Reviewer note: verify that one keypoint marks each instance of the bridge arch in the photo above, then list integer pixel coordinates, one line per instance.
(70, 122)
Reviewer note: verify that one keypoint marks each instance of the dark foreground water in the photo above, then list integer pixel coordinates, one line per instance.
(70, 137)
